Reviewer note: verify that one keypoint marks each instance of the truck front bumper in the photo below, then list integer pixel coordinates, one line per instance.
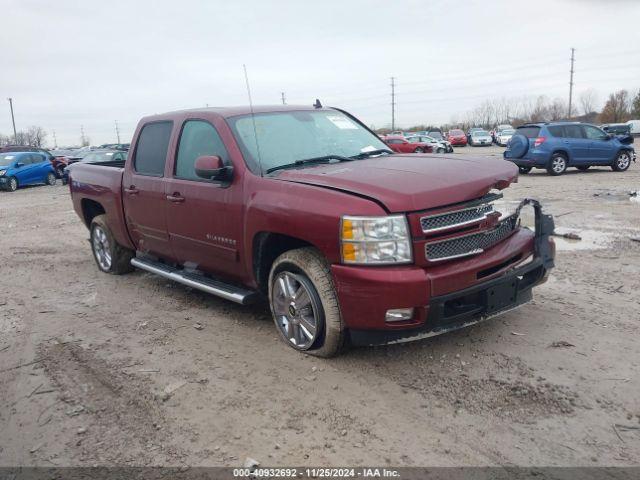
(366, 294)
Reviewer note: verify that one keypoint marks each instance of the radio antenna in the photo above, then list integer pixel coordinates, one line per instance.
(253, 117)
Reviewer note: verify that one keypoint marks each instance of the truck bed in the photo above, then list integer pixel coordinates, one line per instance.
(101, 184)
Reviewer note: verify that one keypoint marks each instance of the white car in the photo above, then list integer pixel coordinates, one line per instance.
(439, 146)
(480, 137)
(503, 137)
(635, 126)
(499, 128)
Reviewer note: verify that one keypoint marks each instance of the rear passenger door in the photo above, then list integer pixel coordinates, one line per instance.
(601, 148)
(203, 216)
(576, 144)
(143, 186)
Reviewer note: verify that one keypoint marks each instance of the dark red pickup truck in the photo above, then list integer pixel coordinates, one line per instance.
(350, 242)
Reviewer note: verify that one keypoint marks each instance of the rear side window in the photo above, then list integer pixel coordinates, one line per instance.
(556, 131)
(529, 132)
(198, 138)
(151, 151)
(573, 131)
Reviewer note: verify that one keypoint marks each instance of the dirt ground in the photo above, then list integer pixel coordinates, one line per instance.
(104, 370)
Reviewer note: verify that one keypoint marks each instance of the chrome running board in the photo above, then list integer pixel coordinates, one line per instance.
(200, 282)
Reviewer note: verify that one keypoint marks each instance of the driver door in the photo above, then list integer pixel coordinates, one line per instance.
(204, 217)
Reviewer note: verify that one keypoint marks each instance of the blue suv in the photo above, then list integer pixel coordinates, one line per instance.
(18, 169)
(556, 146)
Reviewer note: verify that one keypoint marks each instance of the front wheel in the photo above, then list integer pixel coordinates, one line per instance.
(110, 256)
(524, 170)
(304, 303)
(51, 179)
(419, 150)
(557, 164)
(12, 186)
(622, 162)
(440, 150)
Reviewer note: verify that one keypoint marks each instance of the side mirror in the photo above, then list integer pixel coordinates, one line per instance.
(210, 167)
(19, 164)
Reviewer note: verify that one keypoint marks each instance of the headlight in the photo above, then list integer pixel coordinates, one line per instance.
(2, 172)
(375, 240)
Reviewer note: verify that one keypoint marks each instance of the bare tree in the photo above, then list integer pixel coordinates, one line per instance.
(36, 136)
(635, 106)
(557, 110)
(617, 108)
(588, 100)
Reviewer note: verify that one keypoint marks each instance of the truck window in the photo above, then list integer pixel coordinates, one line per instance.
(198, 138)
(151, 151)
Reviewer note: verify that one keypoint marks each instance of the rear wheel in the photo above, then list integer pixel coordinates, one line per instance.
(583, 168)
(304, 303)
(440, 150)
(524, 170)
(557, 164)
(110, 256)
(622, 161)
(51, 179)
(12, 186)
(419, 150)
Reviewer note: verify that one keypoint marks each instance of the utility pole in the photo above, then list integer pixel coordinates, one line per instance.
(573, 50)
(284, 100)
(55, 140)
(393, 103)
(13, 120)
(82, 135)
(117, 131)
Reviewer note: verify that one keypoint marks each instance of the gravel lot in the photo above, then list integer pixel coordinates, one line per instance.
(98, 369)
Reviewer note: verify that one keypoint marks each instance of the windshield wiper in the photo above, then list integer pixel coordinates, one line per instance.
(308, 161)
(371, 153)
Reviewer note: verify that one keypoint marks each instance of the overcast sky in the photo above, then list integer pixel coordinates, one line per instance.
(72, 63)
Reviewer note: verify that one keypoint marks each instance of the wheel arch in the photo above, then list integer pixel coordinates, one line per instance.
(90, 210)
(564, 152)
(266, 247)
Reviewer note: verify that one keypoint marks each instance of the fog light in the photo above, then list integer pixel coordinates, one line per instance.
(399, 314)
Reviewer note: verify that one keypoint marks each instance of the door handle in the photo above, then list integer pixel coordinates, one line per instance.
(175, 198)
(132, 190)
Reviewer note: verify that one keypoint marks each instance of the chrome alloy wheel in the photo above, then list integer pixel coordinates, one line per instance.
(296, 312)
(559, 164)
(623, 160)
(101, 249)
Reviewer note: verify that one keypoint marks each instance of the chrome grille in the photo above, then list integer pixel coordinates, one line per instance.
(457, 218)
(470, 244)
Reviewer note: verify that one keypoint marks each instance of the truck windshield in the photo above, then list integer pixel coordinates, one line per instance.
(283, 138)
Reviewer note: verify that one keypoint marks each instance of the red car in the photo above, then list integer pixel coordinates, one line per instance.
(400, 144)
(457, 138)
(354, 245)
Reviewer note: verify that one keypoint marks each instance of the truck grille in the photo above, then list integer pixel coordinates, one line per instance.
(459, 218)
(470, 244)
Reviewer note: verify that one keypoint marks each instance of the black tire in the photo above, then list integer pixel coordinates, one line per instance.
(120, 256)
(557, 164)
(51, 179)
(440, 150)
(60, 171)
(418, 150)
(12, 185)
(622, 161)
(312, 269)
(524, 170)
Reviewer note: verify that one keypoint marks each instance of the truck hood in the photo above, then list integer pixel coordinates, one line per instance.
(403, 183)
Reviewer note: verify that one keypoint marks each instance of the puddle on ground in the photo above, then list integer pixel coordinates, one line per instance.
(591, 240)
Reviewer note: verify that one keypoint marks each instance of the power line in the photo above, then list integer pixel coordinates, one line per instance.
(573, 50)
